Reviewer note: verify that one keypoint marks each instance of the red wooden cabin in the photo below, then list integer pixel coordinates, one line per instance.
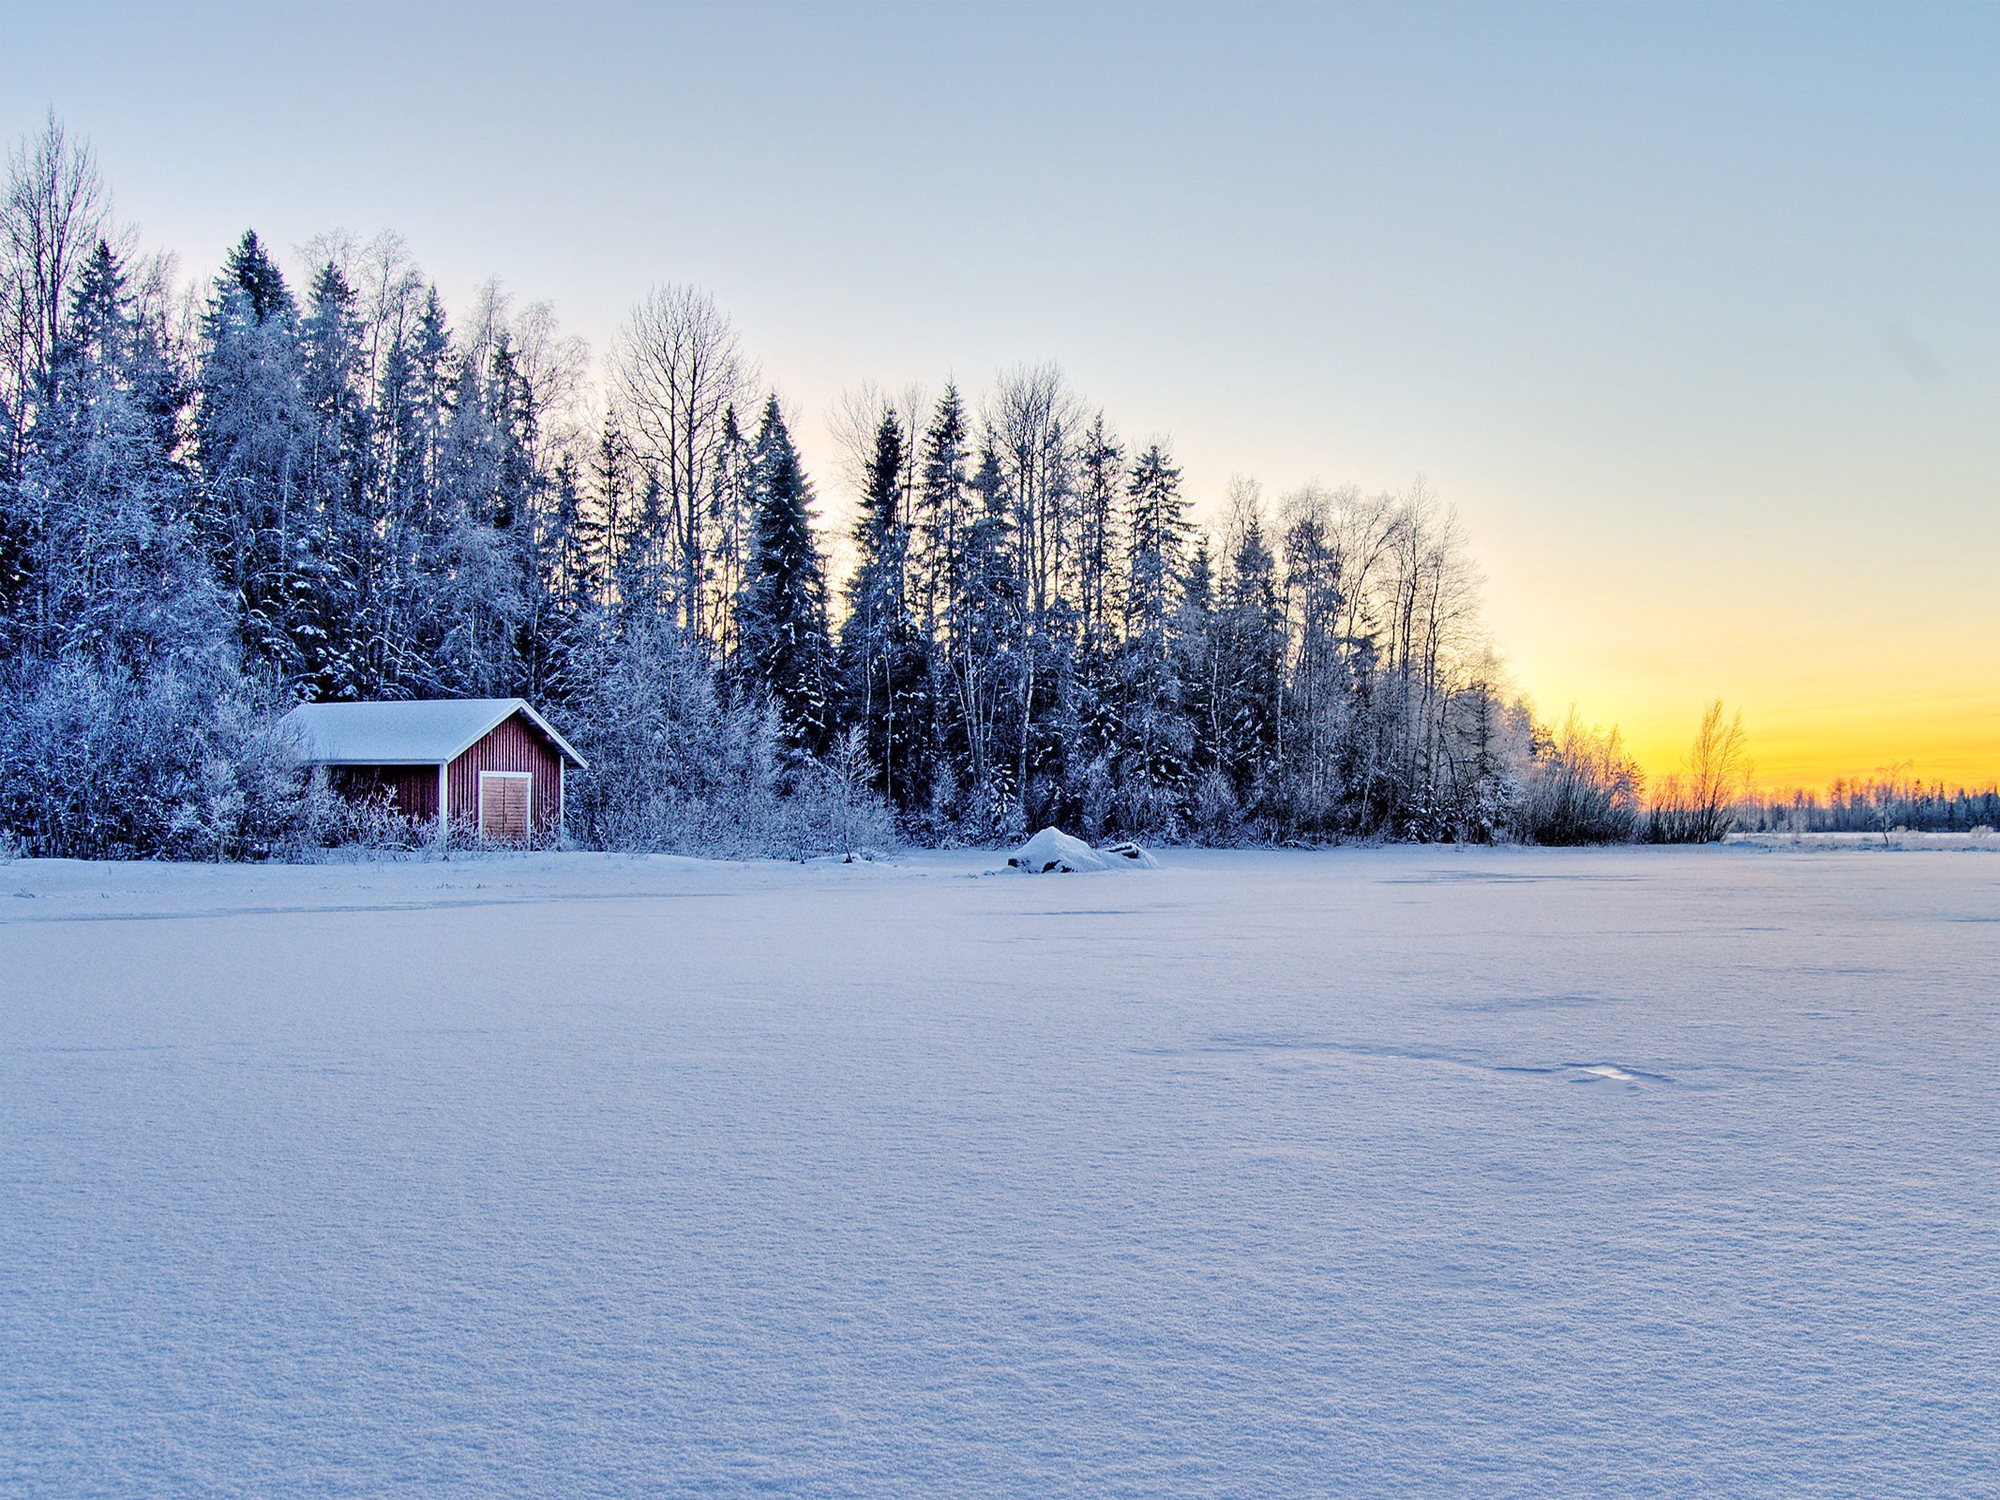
(487, 765)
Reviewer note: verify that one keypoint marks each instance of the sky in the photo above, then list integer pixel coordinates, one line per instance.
(1690, 312)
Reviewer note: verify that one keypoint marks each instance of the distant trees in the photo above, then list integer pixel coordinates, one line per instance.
(1889, 799)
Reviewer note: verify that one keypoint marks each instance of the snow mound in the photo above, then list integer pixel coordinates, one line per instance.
(1128, 853)
(1052, 851)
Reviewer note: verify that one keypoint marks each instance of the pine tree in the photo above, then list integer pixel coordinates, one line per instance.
(1155, 742)
(254, 430)
(880, 669)
(336, 561)
(1250, 665)
(782, 616)
(982, 654)
(112, 572)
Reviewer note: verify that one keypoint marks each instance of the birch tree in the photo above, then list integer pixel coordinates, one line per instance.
(679, 370)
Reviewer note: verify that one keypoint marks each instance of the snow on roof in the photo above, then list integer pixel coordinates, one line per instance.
(419, 732)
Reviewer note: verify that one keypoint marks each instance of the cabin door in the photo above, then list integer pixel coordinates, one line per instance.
(506, 804)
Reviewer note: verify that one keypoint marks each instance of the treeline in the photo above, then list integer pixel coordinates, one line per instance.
(1877, 804)
(224, 499)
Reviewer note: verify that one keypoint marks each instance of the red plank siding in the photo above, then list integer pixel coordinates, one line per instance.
(515, 745)
(415, 788)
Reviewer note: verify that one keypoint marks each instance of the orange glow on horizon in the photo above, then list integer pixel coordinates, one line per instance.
(1807, 749)
(1830, 684)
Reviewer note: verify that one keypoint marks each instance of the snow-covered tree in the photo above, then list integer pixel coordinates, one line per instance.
(881, 668)
(782, 616)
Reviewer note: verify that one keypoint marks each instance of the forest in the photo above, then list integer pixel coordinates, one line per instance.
(224, 495)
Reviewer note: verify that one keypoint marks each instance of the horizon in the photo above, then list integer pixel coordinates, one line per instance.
(1684, 312)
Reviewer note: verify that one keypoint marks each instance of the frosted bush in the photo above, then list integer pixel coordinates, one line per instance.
(1581, 789)
(676, 769)
(98, 764)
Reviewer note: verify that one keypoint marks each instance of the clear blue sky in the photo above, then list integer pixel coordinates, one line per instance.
(1691, 311)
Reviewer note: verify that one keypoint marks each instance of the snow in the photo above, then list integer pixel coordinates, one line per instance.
(1361, 1172)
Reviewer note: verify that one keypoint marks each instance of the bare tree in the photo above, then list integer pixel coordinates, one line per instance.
(855, 419)
(1889, 797)
(556, 366)
(55, 211)
(678, 370)
(1034, 418)
(1698, 804)
(1718, 769)
(1583, 788)
(391, 288)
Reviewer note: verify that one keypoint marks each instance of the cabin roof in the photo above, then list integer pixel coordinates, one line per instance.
(415, 732)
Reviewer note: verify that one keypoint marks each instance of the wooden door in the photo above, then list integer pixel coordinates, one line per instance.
(504, 810)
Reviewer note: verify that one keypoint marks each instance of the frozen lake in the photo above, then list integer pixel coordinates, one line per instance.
(1383, 1172)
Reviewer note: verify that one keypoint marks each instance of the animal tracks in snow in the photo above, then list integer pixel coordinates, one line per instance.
(1595, 1072)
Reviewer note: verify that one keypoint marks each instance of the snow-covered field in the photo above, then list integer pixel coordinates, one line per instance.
(1380, 1172)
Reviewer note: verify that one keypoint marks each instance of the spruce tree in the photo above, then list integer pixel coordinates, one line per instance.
(335, 560)
(783, 611)
(611, 478)
(257, 276)
(940, 509)
(729, 526)
(879, 667)
(1101, 466)
(643, 571)
(1197, 661)
(111, 571)
(1155, 743)
(254, 430)
(413, 410)
(480, 569)
(1250, 664)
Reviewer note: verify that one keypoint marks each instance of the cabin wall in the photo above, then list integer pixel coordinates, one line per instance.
(512, 746)
(415, 788)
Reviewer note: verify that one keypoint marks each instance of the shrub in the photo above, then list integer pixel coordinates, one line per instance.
(675, 769)
(96, 763)
(1700, 806)
(1582, 788)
